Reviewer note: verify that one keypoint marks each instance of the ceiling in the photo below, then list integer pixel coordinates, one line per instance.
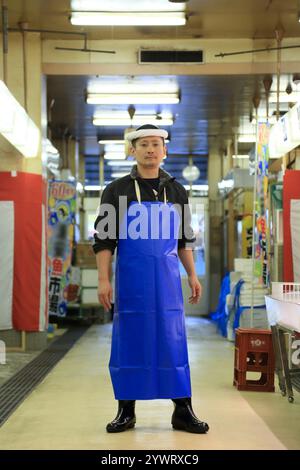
(206, 111)
(210, 106)
(207, 18)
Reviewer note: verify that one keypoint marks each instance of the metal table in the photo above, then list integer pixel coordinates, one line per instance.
(284, 317)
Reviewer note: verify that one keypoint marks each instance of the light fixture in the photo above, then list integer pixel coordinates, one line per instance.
(240, 157)
(110, 141)
(133, 13)
(245, 138)
(121, 163)
(191, 173)
(197, 187)
(16, 126)
(132, 87)
(114, 148)
(122, 119)
(293, 97)
(93, 187)
(225, 184)
(92, 18)
(120, 5)
(289, 88)
(114, 156)
(118, 174)
(271, 119)
(132, 93)
(134, 98)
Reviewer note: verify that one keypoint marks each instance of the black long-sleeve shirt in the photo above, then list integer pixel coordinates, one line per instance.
(176, 194)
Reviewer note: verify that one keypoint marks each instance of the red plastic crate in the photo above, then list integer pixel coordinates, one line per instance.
(254, 353)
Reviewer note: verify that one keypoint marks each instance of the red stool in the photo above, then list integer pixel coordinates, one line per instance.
(254, 353)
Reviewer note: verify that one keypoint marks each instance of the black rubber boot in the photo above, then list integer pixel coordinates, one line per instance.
(125, 418)
(184, 419)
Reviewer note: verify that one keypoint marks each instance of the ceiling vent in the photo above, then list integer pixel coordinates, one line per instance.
(154, 56)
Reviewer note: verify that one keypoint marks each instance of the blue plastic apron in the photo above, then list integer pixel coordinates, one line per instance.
(149, 357)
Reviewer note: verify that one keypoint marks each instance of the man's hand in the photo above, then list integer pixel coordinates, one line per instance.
(196, 289)
(105, 294)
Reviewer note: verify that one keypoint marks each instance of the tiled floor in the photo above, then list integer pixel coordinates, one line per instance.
(70, 408)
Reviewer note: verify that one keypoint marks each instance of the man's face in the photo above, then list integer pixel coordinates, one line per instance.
(149, 151)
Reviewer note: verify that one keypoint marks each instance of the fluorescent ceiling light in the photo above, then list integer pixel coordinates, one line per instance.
(16, 126)
(121, 5)
(108, 148)
(99, 92)
(118, 174)
(271, 119)
(197, 187)
(129, 88)
(135, 98)
(247, 138)
(241, 156)
(91, 18)
(123, 119)
(293, 97)
(121, 163)
(104, 142)
(114, 156)
(225, 184)
(93, 187)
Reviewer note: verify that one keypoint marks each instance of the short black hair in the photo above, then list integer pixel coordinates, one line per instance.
(147, 126)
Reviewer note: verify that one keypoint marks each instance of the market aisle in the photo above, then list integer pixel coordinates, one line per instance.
(70, 408)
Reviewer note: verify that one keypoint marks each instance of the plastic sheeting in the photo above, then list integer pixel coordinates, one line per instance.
(7, 263)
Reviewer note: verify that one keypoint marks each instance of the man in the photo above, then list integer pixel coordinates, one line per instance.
(149, 357)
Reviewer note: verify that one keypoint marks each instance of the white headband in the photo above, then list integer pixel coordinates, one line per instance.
(146, 133)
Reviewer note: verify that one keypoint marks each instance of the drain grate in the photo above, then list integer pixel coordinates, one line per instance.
(20, 385)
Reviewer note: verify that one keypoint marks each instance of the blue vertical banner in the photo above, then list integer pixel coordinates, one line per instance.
(61, 212)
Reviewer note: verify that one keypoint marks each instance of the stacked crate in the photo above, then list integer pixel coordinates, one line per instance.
(254, 353)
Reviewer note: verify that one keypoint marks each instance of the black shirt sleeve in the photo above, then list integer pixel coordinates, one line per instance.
(188, 237)
(106, 223)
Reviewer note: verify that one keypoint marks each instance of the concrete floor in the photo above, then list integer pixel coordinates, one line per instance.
(16, 360)
(70, 408)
